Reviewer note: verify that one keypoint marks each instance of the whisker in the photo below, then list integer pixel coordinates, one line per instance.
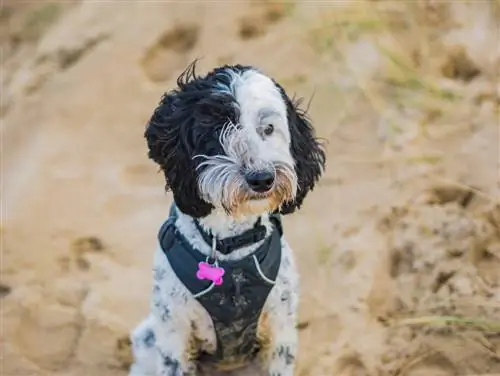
(200, 156)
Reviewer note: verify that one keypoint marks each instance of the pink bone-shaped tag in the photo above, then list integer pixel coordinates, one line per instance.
(210, 272)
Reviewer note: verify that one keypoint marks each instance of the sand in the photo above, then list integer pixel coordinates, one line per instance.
(398, 246)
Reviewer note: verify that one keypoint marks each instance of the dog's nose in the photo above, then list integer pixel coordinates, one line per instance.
(260, 181)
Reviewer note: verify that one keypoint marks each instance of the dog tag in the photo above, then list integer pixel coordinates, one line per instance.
(210, 272)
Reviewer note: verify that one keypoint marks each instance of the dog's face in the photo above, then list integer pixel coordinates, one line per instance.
(234, 140)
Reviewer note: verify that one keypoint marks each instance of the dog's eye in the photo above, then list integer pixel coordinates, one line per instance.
(268, 129)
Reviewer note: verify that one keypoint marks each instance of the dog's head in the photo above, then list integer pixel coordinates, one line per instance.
(234, 140)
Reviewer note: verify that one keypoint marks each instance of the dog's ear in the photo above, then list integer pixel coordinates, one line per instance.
(168, 135)
(307, 151)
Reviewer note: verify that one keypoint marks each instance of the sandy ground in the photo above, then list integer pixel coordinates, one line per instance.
(398, 247)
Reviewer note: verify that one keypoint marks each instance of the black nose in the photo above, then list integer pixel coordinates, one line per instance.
(260, 181)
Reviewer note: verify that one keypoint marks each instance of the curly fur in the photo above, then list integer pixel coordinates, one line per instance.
(207, 135)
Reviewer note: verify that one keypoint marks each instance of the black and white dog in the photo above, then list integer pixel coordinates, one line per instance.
(237, 154)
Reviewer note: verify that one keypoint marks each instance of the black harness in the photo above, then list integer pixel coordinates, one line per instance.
(235, 305)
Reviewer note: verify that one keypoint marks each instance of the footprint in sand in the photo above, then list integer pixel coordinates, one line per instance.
(169, 52)
(123, 352)
(436, 365)
(4, 290)
(350, 365)
(82, 246)
(266, 14)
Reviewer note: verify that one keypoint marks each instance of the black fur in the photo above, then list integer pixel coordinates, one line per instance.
(149, 338)
(188, 121)
(307, 151)
(285, 353)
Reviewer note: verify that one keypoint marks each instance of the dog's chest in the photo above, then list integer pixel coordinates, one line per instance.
(227, 330)
(231, 310)
(234, 310)
(232, 329)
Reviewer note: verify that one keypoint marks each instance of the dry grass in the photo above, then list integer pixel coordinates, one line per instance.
(474, 323)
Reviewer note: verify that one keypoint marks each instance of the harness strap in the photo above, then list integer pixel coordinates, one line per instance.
(227, 245)
(236, 305)
(169, 237)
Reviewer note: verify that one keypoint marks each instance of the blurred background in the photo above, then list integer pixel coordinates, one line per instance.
(399, 245)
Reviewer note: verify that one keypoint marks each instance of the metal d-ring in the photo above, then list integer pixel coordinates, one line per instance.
(209, 260)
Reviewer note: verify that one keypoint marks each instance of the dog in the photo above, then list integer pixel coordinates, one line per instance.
(237, 154)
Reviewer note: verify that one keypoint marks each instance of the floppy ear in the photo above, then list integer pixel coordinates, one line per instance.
(307, 151)
(168, 135)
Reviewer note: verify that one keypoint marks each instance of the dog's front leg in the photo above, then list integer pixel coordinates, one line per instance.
(284, 349)
(173, 331)
(281, 307)
(283, 319)
(171, 354)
